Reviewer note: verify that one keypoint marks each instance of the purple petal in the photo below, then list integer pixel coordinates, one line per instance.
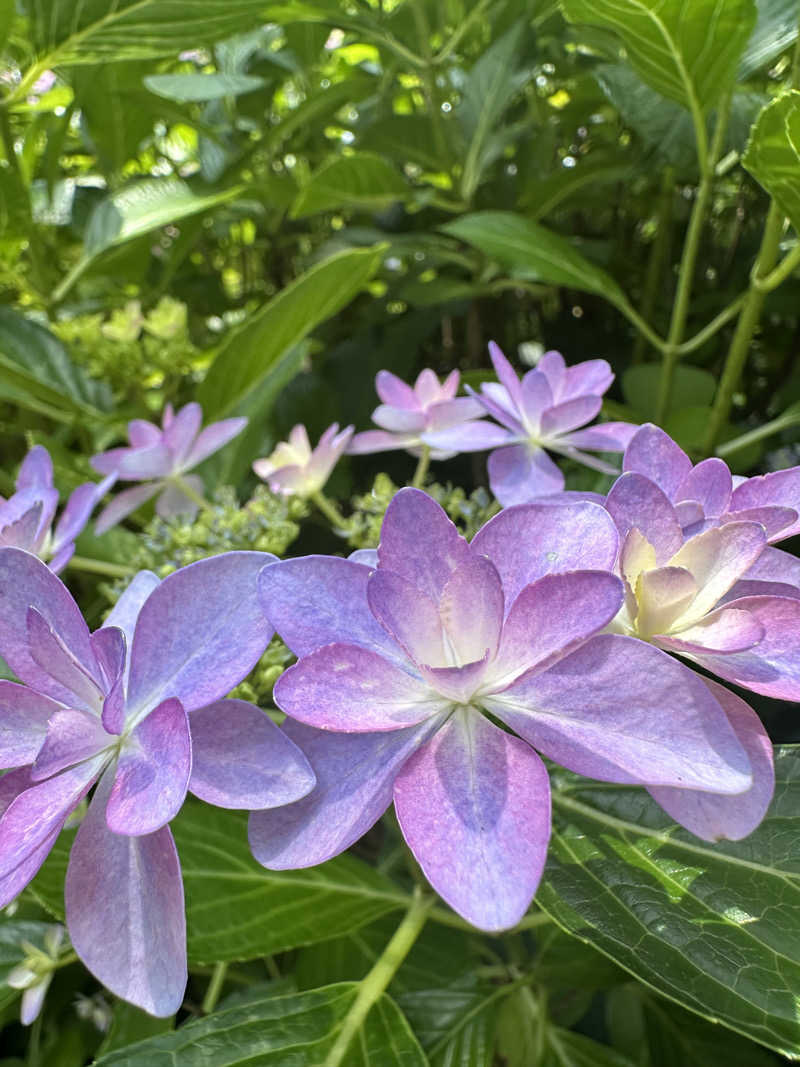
(654, 454)
(123, 616)
(718, 558)
(33, 999)
(79, 507)
(314, 600)
(181, 432)
(525, 543)
(710, 484)
(593, 376)
(27, 582)
(506, 375)
(398, 420)
(109, 646)
(55, 658)
(605, 436)
(726, 630)
(570, 415)
(212, 439)
(124, 901)
(621, 710)
(712, 816)
(471, 436)
(326, 455)
(426, 387)
(355, 776)
(636, 502)
(450, 413)
(135, 464)
(22, 532)
(420, 543)
(173, 501)
(368, 557)
(537, 397)
(36, 470)
(142, 433)
(379, 441)
(123, 504)
(495, 401)
(62, 558)
(241, 759)
(551, 617)
(408, 616)
(553, 367)
(471, 610)
(780, 488)
(777, 521)
(348, 688)
(520, 473)
(457, 685)
(12, 883)
(394, 391)
(24, 714)
(474, 807)
(152, 773)
(72, 736)
(199, 632)
(775, 565)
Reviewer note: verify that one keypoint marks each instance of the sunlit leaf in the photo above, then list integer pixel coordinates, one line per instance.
(184, 88)
(363, 180)
(773, 154)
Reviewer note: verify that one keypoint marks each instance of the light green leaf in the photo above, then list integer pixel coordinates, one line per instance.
(715, 928)
(186, 88)
(528, 250)
(273, 1031)
(252, 352)
(687, 52)
(773, 154)
(775, 31)
(362, 180)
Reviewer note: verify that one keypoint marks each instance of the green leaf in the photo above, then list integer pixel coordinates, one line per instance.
(691, 386)
(362, 180)
(532, 252)
(253, 351)
(568, 1049)
(775, 31)
(715, 928)
(12, 933)
(773, 154)
(455, 1023)
(296, 1028)
(237, 910)
(132, 1024)
(543, 195)
(36, 365)
(185, 88)
(687, 52)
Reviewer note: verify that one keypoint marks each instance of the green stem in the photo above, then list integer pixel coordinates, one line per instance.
(329, 510)
(188, 490)
(214, 987)
(475, 14)
(100, 566)
(716, 324)
(422, 467)
(782, 422)
(778, 276)
(745, 327)
(384, 970)
(33, 1056)
(691, 247)
(657, 257)
(428, 79)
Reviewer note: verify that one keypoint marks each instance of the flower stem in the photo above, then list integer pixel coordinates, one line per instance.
(214, 987)
(422, 467)
(329, 510)
(188, 490)
(100, 566)
(386, 967)
(782, 422)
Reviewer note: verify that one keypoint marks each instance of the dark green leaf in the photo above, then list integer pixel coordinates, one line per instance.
(131, 1024)
(691, 386)
(773, 154)
(184, 88)
(775, 31)
(568, 1049)
(362, 180)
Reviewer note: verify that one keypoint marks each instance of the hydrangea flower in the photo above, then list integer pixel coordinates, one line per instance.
(26, 518)
(295, 469)
(137, 708)
(399, 662)
(428, 413)
(708, 495)
(161, 458)
(542, 413)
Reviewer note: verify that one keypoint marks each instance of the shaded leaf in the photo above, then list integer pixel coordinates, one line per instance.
(362, 180)
(775, 31)
(185, 88)
(568, 1049)
(691, 386)
(773, 154)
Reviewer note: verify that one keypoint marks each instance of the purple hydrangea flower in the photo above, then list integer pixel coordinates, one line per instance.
(136, 707)
(160, 458)
(429, 414)
(26, 518)
(399, 662)
(542, 413)
(708, 495)
(295, 469)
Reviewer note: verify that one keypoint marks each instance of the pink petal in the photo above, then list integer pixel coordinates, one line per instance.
(457, 685)
(520, 473)
(570, 415)
(775, 565)
(474, 806)
(212, 439)
(24, 715)
(778, 522)
(394, 391)
(408, 616)
(36, 470)
(72, 736)
(605, 436)
(726, 630)
(654, 454)
(780, 488)
(55, 658)
(123, 504)
(710, 484)
(471, 610)
(636, 502)
(142, 433)
(181, 432)
(135, 464)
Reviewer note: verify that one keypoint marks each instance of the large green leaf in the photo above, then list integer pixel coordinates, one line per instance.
(275, 1031)
(775, 31)
(568, 1049)
(252, 352)
(185, 88)
(362, 180)
(714, 927)
(530, 251)
(773, 154)
(686, 51)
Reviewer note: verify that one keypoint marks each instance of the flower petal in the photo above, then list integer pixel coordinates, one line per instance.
(775, 565)
(241, 759)
(654, 454)
(349, 688)
(621, 710)
(636, 502)
(470, 436)
(570, 415)
(79, 507)
(212, 439)
(36, 470)
(605, 436)
(726, 630)
(24, 715)
(199, 632)
(474, 806)
(777, 521)
(142, 433)
(123, 504)
(716, 559)
(592, 376)
(778, 488)
(408, 616)
(355, 776)
(393, 390)
(471, 610)
(519, 473)
(55, 658)
(135, 464)
(72, 736)
(174, 501)
(152, 773)
(181, 432)
(710, 484)
(663, 595)
(506, 374)
(124, 901)
(398, 420)
(379, 441)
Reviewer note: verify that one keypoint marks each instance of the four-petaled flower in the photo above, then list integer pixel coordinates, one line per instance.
(160, 458)
(295, 469)
(399, 663)
(137, 708)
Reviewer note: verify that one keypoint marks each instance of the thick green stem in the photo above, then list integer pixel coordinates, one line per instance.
(657, 258)
(422, 467)
(214, 987)
(787, 266)
(329, 510)
(386, 967)
(100, 566)
(745, 327)
(691, 247)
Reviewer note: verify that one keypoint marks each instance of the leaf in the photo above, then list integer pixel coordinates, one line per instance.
(12, 934)
(568, 1049)
(253, 351)
(641, 383)
(543, 195)
(237, 910)
(532, 252)
(362, 180)
(774, 32)
(716, 928)
(455, 1023)
(274, 1031)
(687, 52)
(131, 1024)
(185, 88)
(35, 364)
(773, 154)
